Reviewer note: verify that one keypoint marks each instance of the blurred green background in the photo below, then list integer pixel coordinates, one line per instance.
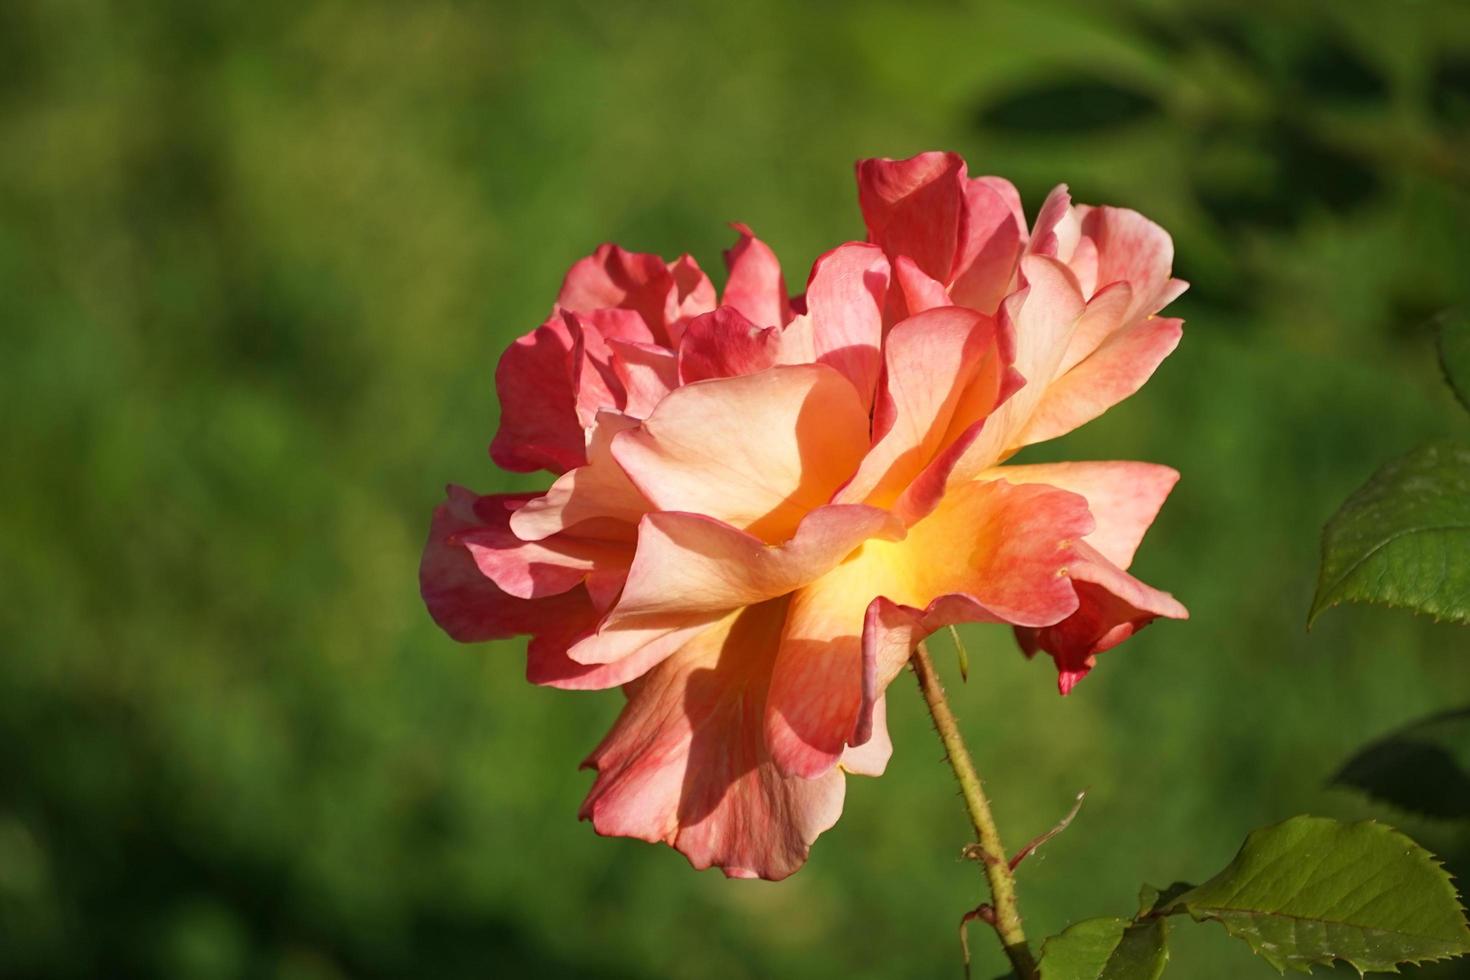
(257, 262)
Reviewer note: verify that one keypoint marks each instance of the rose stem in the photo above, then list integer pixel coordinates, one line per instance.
(992, 853)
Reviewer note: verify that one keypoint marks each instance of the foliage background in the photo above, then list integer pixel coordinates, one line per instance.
(257, 262)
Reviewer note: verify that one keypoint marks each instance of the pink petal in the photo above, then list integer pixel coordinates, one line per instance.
(685, 763)
(919, 292)
(991, 234)
(649, 639)
(756, 287)
(991, 552)
(548, 664)
(598, 386)
(1113, 605)
(724, 344)
(798, 345)
(845, 298)
(472, 608)
(597, 499)
(1131, 249)
(1042, 318)
(757, 451)
(1084, 265)
(1057, 227)
(1103, 316)
(615, 277)
(1009, 196)
(531, 569)
(1123, 497)
(693, 295)
(871, 758)
(913, 207)
(662, 294)
(1114, 371)
(465, 604)
(538, 403)
(646, 372)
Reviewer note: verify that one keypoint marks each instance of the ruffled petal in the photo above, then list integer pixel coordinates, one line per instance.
(756, 287)
(944, 371)
(612, 277)
(1042, 319)
(917, 290)
(663, 294)
(599, 387)
(724, 344)
(465, 604)
(1112, 606)
(845, 299)
(647, 372)
(597, 499)
(685, 763)
(1057, 229)
(538, 428)
(548, 663)
(1123, 497)
(1114, 371)
(913, 207)
(532, 569)
(693, 295)
(689, 563)
(991, 236)
(1131, 249)
(991, 552)
(757, 451)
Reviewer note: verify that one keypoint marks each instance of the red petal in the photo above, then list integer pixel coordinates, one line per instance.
(1112, 606)
(913, 207)
(724, 344)
(538, 403)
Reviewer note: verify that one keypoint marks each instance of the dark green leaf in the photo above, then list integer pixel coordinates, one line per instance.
(1107, 949)
(1425, 768)
(1311, 891)
(1403, 539)
(1454, 353)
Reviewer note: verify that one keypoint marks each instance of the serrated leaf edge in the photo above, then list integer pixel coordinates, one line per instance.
(1435, 860)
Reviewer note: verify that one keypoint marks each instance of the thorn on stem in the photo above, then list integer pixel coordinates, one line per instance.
(1065, 822)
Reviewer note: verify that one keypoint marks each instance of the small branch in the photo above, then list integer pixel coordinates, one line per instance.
(1003, 914)
(1062, 825)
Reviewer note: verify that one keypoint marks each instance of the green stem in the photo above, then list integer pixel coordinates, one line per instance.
(1007, 919)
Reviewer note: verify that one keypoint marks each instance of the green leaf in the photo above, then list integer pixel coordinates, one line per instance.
(1151, 901)
(1424, 768)
(1454, 353)
(1404, 538)
(1107, 949)
(1311, 891)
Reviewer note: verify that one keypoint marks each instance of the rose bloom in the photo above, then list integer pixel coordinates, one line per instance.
(764, 503)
